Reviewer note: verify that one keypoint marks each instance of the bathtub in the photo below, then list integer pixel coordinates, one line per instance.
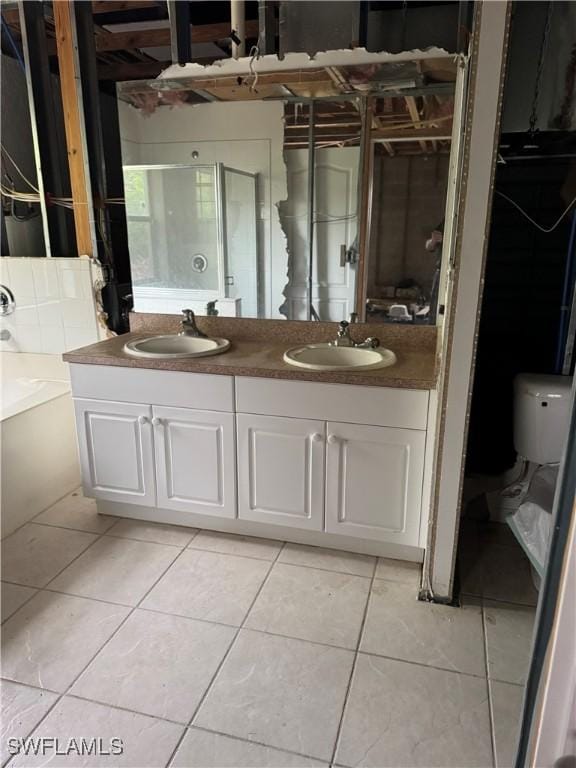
(38, 451)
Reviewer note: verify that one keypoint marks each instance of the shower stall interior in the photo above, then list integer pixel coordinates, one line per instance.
(192, 236)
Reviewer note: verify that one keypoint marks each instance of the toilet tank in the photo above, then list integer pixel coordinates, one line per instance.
(541, 415)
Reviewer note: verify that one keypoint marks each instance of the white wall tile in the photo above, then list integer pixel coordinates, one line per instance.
(4, 270)
(45, 276)
(26, 310)
(27, 338)
(78, 313)
(79, 337)
(53, 340)
(21, 282)
(55, 307)
(74, 284)
(50, 313)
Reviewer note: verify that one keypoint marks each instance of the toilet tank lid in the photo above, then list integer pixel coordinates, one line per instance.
(542, 385)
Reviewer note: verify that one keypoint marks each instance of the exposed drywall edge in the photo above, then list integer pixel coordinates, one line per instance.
(271, 63)
(486, 105)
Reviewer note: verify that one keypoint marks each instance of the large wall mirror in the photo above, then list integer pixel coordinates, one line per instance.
(315, 194)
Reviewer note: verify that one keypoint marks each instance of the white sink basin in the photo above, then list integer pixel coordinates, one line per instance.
(325, 357)
(171, 347)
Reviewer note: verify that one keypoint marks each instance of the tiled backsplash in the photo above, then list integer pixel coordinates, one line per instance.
(55, 307)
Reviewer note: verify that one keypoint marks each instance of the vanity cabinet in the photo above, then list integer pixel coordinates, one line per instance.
(344, 465)
(154, 456)
(281, 471)
(195, 462)
(374, 482)
(116, 451)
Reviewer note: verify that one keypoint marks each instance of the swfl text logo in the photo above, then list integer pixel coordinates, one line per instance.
(48, 745)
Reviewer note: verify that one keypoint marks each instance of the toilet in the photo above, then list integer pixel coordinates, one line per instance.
(541, 417)
(541, 414)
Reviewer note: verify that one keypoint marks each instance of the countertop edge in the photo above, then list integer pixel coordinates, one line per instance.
(329, 377)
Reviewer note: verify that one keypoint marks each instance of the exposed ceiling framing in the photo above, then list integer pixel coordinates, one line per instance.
(132, 40)
(133, 37)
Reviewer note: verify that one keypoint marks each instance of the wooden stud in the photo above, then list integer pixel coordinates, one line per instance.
(415, 115)
(73, 122)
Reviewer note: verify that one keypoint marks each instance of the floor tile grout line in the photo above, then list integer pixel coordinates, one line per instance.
(85, 667)
(36, 590)
(79, 555)
(488, 689)
(158, 717)
(330, 570)
(223, 660)
(67, 527)
(248, 741)
(324, 570)
(32, 519)
(282, 562)
(178, 723)
(500, 600)
(213, 622)
(353, 667)
(80, 697)
(108, 533)
(236, 626)
(421, 664)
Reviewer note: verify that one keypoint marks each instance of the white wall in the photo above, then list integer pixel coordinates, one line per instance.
(248, 136)
(465, 289)
(55, 306)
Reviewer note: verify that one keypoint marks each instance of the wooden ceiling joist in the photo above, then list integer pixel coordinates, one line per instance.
(415, 115)
(11, 15)
(153, 38)
(415, 134)
(117, 6)
(131, 70)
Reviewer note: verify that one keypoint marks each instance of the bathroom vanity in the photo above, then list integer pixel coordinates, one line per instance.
(244, 443)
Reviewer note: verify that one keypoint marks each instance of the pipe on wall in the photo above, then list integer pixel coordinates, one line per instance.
(238, 22)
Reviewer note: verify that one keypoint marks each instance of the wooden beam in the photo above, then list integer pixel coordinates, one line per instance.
(114, 6)
(139, 70)
(413, 134)
(74, 125)
(152, 38)
(415, 115)
(98, 6)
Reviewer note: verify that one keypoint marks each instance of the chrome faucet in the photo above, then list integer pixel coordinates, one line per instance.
(343, 338)
(211, 310)
(189, 327)
(7, 302)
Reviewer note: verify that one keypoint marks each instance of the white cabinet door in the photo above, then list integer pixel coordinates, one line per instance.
(374, 482)
(116, 451)
(195, 463)
(281, 471)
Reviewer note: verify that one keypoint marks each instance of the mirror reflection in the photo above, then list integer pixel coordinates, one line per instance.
(320, 195)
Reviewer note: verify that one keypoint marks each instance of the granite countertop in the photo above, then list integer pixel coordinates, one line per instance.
(415, 368)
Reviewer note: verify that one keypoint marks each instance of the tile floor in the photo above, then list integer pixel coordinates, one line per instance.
(205, 649)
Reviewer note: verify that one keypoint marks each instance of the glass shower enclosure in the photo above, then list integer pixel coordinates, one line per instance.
(192, 238)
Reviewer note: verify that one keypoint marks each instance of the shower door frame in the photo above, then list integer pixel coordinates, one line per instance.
(188, 294)
(223, 226)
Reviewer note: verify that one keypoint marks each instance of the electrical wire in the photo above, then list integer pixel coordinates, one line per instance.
(546, 230)
(13, 45)
(254, 54)
(16, 166)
